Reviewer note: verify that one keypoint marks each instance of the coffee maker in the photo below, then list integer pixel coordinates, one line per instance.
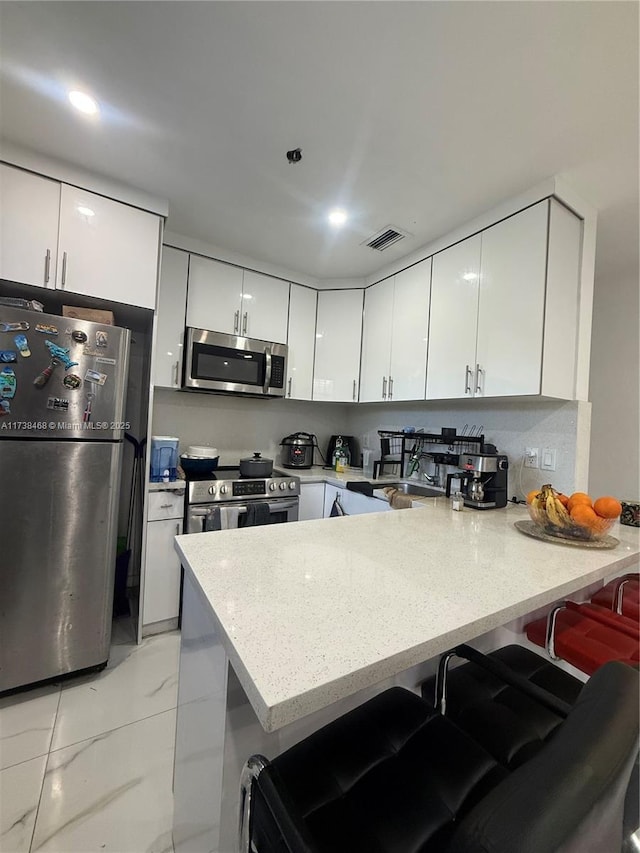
(483, 480)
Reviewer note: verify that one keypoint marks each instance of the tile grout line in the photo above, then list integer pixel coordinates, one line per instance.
(44, 775)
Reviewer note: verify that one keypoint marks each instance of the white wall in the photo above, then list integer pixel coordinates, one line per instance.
(510, 425)
(238, 426)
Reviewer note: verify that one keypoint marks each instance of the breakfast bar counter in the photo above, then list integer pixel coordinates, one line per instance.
(285, 626)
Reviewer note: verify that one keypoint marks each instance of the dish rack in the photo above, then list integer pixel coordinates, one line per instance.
(397, 448)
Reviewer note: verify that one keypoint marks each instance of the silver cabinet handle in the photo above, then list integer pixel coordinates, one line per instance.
(64, 271)
(390, 388)
(47, 266)
(467, 377)
(289, 388)
(384, 387)
(178, 529)
(176, 366)
(166, 506)
(479, 371)
(354, 389)
(244, 323)
(236, 322)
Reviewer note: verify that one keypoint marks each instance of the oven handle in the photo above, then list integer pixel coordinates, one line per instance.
(274, 506)
(267, 370)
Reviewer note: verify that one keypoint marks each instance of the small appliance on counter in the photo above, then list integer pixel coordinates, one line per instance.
(348, 443)
(164, 458)
(483, 480)
(297, 450)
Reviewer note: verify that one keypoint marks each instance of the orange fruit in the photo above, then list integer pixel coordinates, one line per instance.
(584, 515)
(564, 499)
(532, 494)
(608, 507)
(578, 498)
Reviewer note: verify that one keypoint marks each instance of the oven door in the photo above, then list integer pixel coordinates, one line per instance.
(219, 362)
(228, 516)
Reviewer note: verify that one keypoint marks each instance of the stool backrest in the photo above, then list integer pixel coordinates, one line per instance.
(570, 797)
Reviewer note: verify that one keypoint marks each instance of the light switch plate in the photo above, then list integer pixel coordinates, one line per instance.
(548, 460)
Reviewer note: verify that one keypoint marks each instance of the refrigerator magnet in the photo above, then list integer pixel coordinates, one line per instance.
(23, 345)
(95, 377)
(79, 336)
(58, 404)
(102, 339)
(100, 360)
(8, 383)
(72, 381)
(14, 327)
(46, 329)
(7, 356)
(61, 353)
(5, 407)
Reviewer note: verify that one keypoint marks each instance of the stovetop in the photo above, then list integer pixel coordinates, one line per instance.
(227, 485)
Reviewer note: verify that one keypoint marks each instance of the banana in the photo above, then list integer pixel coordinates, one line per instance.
(556, 512)
(563, 515)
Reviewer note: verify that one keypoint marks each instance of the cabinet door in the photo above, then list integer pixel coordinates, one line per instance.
(265, 307)
(311, 501)
(376, 342)
(355, 503)
(172, 302)
(107, 249)
(29, 210)
(214, 296)
(453, 320)
(409, 332)
(161, 573)
(301, 339)
(338, 330)
(511, 309)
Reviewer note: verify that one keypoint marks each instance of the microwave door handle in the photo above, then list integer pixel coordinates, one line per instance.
(267, 370)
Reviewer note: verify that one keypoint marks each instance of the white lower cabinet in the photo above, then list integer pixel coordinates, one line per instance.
(161, 597)
(336, 375)
(353, 503)
(311, 501)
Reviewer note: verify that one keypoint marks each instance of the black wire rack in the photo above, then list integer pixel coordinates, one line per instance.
(397, 447)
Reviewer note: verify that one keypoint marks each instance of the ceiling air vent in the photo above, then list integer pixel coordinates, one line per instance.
(381, 240)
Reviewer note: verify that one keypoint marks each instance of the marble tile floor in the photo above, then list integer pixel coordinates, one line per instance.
(86, 765)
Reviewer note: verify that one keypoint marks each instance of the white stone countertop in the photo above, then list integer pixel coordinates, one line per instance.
(315, 611)
(318, 474)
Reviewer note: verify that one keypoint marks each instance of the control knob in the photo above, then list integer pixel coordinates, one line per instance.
(223, 490)
(283, 486)
(292, 484)
(273, 487)
(212, 490)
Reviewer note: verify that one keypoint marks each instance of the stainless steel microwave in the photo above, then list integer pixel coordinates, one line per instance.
(227, 364)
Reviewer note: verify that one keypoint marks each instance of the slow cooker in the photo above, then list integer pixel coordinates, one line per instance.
(297, 450)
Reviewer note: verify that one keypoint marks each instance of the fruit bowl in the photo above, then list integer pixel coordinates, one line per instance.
(570, 529)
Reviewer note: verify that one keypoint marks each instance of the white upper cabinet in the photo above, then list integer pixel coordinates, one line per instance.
(504, 309)
(338, 331)
(214, 297)
(225, 298)
(511, 307)
(172, 300)
(301, 339)
(394, 336)
(265, 307)
(107, 249)
(29, 208)
(454, 318)
(376, 341)
(409, 332)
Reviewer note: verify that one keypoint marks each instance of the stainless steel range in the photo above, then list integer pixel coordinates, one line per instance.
(229, 501)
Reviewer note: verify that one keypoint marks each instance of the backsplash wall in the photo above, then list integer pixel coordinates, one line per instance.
(509, 424)
(238, 426)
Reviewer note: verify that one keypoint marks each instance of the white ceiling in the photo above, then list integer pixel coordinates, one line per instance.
(418, 114)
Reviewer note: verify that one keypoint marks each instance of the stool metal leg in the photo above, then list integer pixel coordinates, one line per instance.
(251, 770)
(551, 631)
(440, 699)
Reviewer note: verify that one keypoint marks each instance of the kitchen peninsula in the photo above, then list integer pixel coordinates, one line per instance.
(287, 626)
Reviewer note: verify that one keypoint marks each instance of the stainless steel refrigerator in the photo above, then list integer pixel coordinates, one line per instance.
(62, 396)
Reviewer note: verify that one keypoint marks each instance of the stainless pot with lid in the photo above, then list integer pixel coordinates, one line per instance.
(297, 450)
(256, 466)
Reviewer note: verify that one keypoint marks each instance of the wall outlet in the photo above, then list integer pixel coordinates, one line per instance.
(548, 460)
(531, 457)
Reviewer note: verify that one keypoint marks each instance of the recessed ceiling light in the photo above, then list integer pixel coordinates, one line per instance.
(470, 276)
(337, 216)
(85, 211)
(83, 102)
